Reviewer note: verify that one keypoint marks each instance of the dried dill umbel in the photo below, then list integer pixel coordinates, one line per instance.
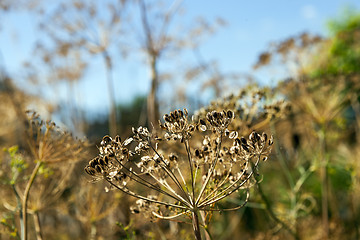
(185, 168)
(255, 107)
(38, 172)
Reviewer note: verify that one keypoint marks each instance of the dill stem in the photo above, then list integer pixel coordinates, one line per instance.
(196, 225)
(37, 226)
(26, 197)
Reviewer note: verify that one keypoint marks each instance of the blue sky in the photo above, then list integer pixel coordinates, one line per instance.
(251, 26)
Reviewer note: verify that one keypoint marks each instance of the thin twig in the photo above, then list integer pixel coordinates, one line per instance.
(145, 198)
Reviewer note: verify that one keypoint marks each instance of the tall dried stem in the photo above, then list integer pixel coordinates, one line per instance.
(37, 226)
(26, 196)
(324, 184)
(196, 225)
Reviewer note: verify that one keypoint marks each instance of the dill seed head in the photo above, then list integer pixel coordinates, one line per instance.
(190, 165)
(177, 125)
(219, 121)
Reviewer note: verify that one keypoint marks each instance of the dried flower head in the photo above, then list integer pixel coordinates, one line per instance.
(255, 106)
(189, 167)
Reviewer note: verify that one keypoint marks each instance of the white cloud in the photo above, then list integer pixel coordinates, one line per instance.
(308, 12)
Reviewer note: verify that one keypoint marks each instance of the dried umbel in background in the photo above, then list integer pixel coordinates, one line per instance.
(38, 172)
(185, 168)
(256, 108)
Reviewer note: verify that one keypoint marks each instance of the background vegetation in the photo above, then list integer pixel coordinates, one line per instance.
(309, 188)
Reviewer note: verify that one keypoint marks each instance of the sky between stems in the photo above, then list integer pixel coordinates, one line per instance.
(251, 27)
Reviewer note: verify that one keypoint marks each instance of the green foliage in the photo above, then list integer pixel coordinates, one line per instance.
(340, 177)
(130, 113)
(8, 222)
(130, 234)
(17, 163)
(344, 50)
(45, 171)
(348, 21)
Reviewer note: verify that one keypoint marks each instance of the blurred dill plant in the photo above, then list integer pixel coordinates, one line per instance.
(257, 108)
(93, 209)
(40, 169)
(184, 169)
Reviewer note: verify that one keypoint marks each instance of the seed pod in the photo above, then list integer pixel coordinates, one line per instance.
(134, 210)
(92, 163)
(197, 153)
(202, 128)
(257, 137)
(223, 114)
(254, 137)
(127, 141)
(134, 130)
(89, 170)
(215, 114)
(271, 140)
(209, 117)
(233, 135)
(102, 162)
(118, 139)
(173, 116)
(264, 137)
(245, 147)
(106, 140)
(98, 169)
(173, 157)
(111, 153)
(191, 128)
(106, 160)
(166, 118)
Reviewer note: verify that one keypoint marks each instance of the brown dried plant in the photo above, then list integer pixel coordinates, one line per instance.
(92, 208)
(79, 30)
(292, 54)
(320, 107)
(41, 170)
(256, 106)
(173, 175)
